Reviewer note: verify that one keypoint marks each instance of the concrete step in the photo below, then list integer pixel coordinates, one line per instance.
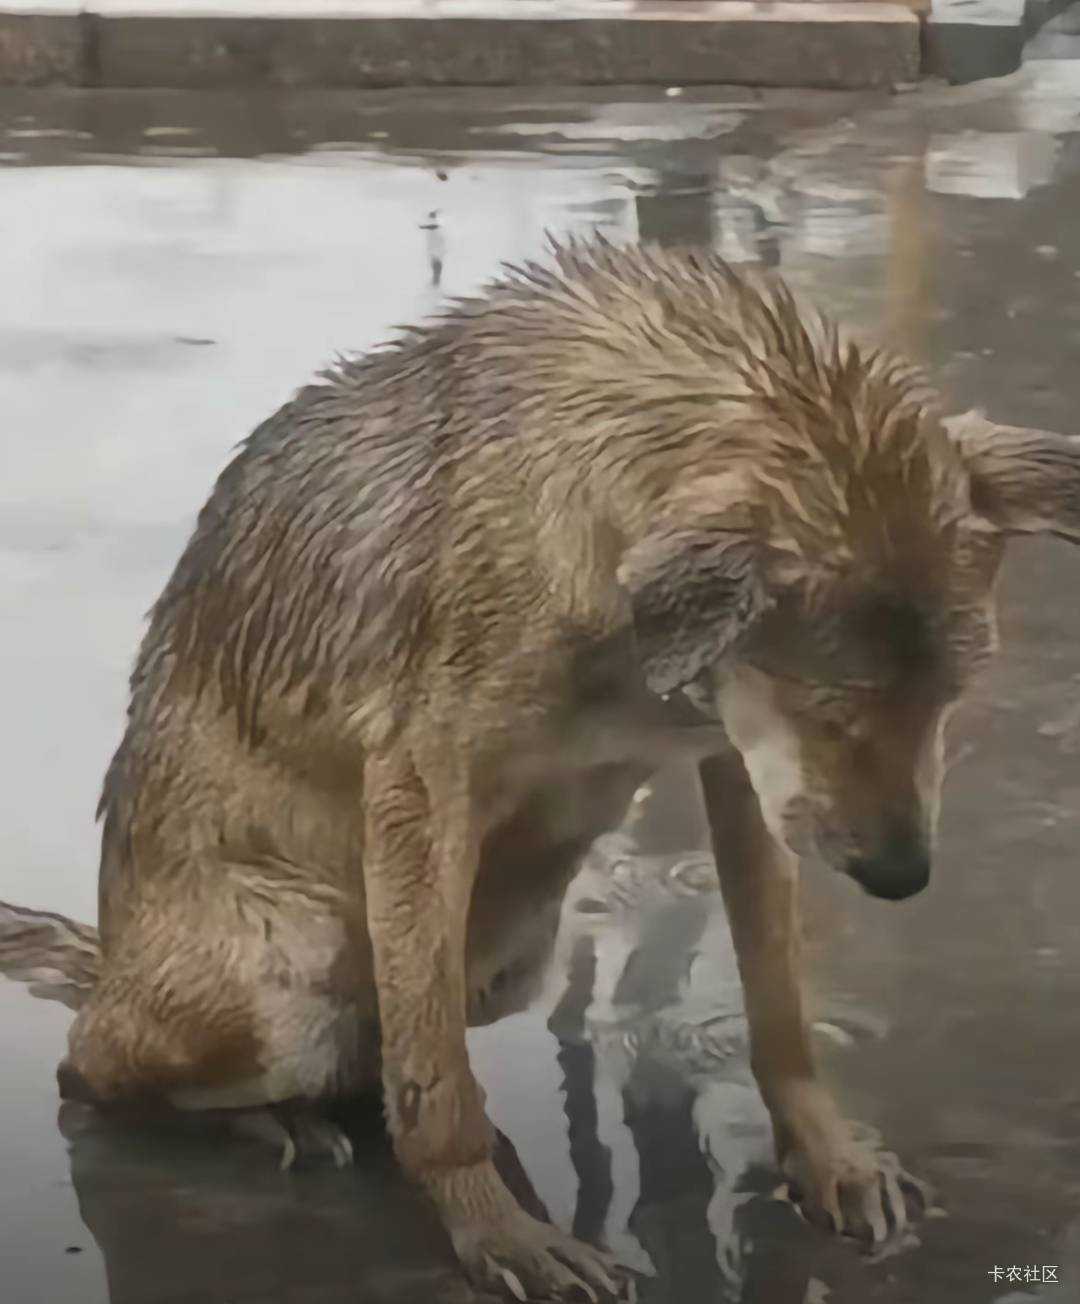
(378, 43)
(969, 40)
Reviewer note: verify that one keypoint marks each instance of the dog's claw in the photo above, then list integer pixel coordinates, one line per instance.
(513, 1284)
(873, 1214)
(922, 1190)
(318, 1136)
(894, 1200)
(294, 1132)
(288, 1154)
(264, 1125)
(831, 1202)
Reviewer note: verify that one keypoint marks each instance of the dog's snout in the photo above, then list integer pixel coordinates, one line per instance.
(900, 869)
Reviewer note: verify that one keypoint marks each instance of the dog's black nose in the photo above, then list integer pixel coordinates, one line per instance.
(901, 869)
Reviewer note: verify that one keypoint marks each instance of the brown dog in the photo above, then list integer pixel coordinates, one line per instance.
(418, 655)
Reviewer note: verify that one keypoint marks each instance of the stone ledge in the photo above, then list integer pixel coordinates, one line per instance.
(43, 49)
(381, 43)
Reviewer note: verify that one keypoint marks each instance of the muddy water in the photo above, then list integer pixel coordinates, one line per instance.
(172, 269)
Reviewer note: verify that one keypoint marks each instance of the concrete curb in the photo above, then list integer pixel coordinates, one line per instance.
(383, 43)
(43, 49)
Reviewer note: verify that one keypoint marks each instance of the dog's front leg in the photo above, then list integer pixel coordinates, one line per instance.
(833, 1176)
(422, 838)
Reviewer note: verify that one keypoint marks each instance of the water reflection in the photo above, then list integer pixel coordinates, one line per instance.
(175, 1212)
(990, 165)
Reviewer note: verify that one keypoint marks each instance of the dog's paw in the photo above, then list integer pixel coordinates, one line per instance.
(526, 1260)
(855, 1190)
(838, 1176)
(505, 1249)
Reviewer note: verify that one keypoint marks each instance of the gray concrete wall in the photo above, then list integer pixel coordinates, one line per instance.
(376, 43)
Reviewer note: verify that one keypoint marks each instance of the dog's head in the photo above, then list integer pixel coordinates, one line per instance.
(837, 610)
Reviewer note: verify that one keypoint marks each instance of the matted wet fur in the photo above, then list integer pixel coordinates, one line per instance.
(428, 638)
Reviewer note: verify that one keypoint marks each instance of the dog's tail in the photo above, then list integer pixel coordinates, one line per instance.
(57, 957)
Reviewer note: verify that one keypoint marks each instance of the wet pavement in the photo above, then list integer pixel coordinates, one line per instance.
(173, 267)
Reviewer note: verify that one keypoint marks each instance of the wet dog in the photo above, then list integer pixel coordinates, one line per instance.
(441, 617)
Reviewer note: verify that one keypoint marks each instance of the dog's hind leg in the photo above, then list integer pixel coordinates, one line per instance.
(232, 1002)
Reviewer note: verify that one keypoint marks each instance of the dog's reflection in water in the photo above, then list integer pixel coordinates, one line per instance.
(667, 1138)
(652, 1015)
(184, 1212)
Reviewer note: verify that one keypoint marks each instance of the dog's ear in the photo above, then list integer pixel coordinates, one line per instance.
(693, 591)
(1022, 481)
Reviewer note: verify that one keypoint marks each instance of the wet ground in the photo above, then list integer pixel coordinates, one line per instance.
(172, 268)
